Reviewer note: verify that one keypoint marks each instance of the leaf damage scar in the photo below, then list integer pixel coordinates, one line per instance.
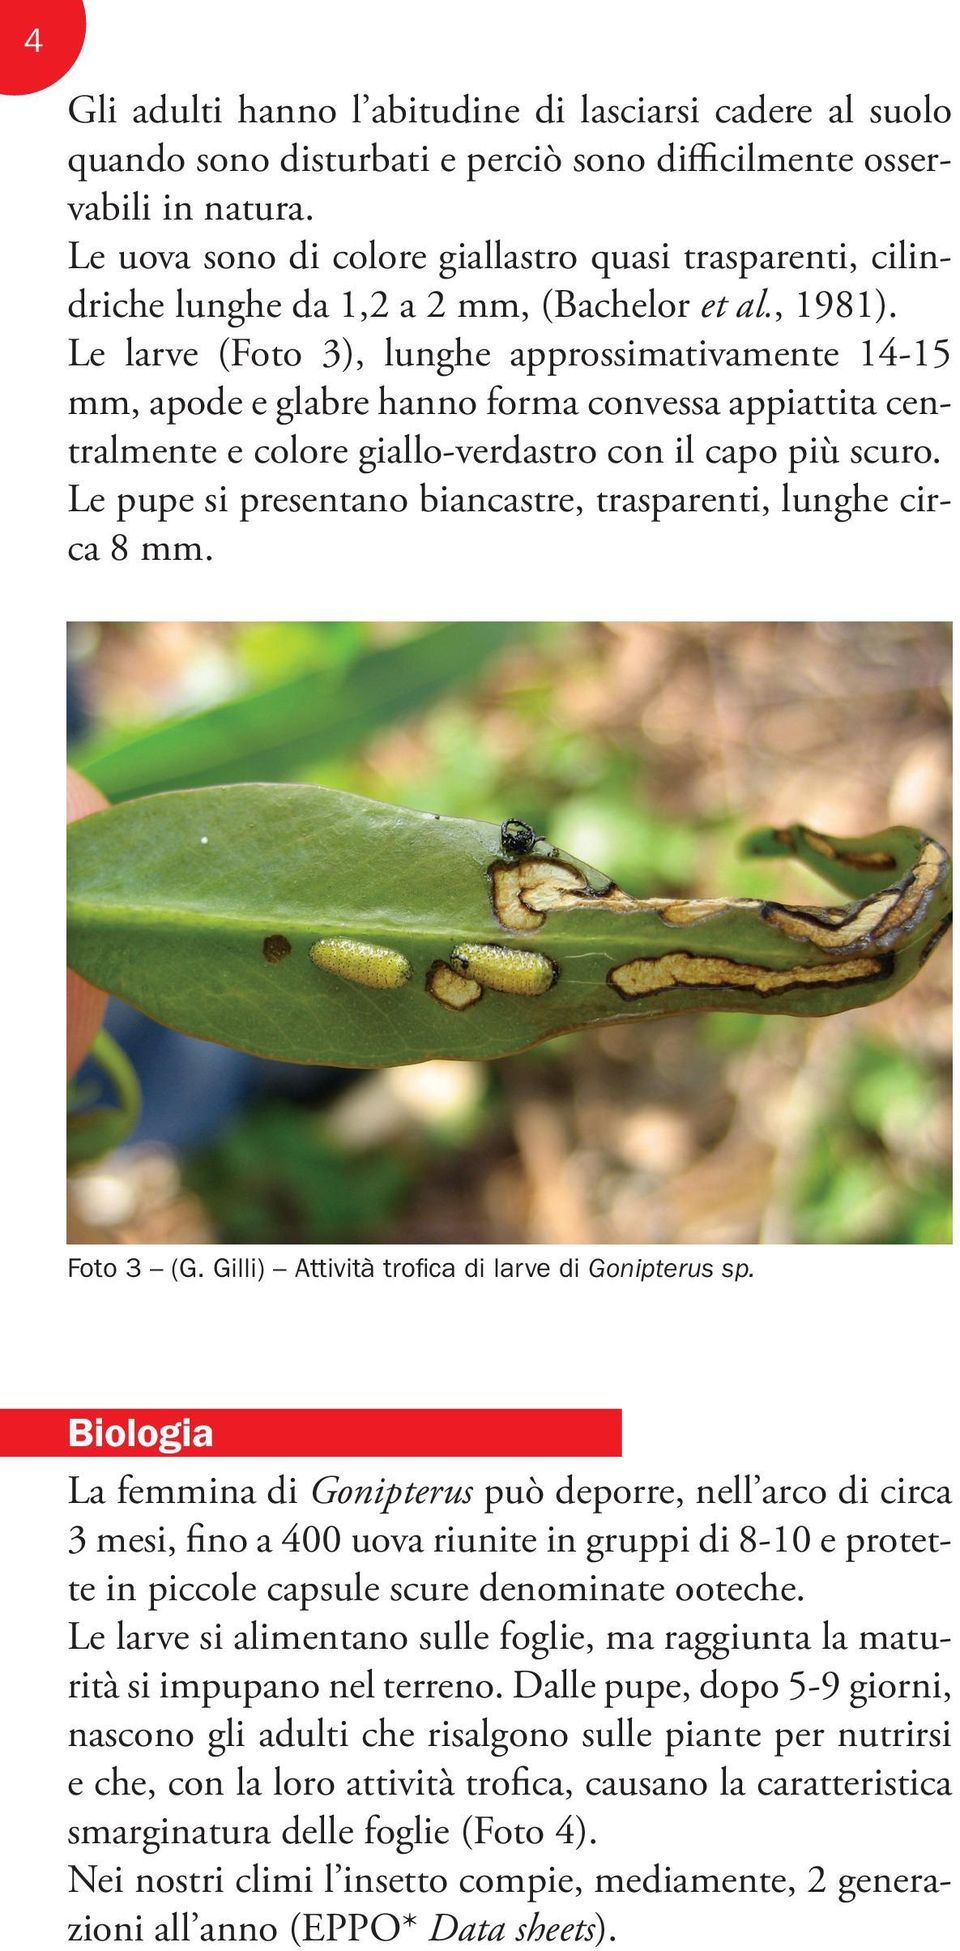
(653, 975)
(366, 963)
(525, 892)
(791, 838)
(881, 920)
(448, 986)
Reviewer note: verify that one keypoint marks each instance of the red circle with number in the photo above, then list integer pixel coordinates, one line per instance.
(39, 42)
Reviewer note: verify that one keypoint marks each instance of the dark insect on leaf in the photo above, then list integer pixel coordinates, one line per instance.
(516, 837)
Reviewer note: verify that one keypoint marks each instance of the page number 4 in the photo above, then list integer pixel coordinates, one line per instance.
(39, 43)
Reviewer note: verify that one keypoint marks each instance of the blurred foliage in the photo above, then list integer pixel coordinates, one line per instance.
(282, 728)
(275, 1177)
(865, 1177)
(646, 748)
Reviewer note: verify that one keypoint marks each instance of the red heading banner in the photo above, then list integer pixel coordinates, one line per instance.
(311, 1432)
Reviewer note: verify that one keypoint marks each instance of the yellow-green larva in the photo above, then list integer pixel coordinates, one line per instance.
(364, 962)
(514, 971)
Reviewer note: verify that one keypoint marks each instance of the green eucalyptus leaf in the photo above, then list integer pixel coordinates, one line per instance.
(281, 728)
(316, 926)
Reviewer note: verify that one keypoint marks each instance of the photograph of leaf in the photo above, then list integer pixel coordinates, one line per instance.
(334, 849)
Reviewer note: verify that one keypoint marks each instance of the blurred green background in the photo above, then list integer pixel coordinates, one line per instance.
(646, 749)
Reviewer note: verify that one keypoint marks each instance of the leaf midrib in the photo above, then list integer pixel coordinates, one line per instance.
(612, 944)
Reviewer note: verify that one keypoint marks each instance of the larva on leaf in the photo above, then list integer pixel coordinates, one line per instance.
(513, 971)
(363, 962)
